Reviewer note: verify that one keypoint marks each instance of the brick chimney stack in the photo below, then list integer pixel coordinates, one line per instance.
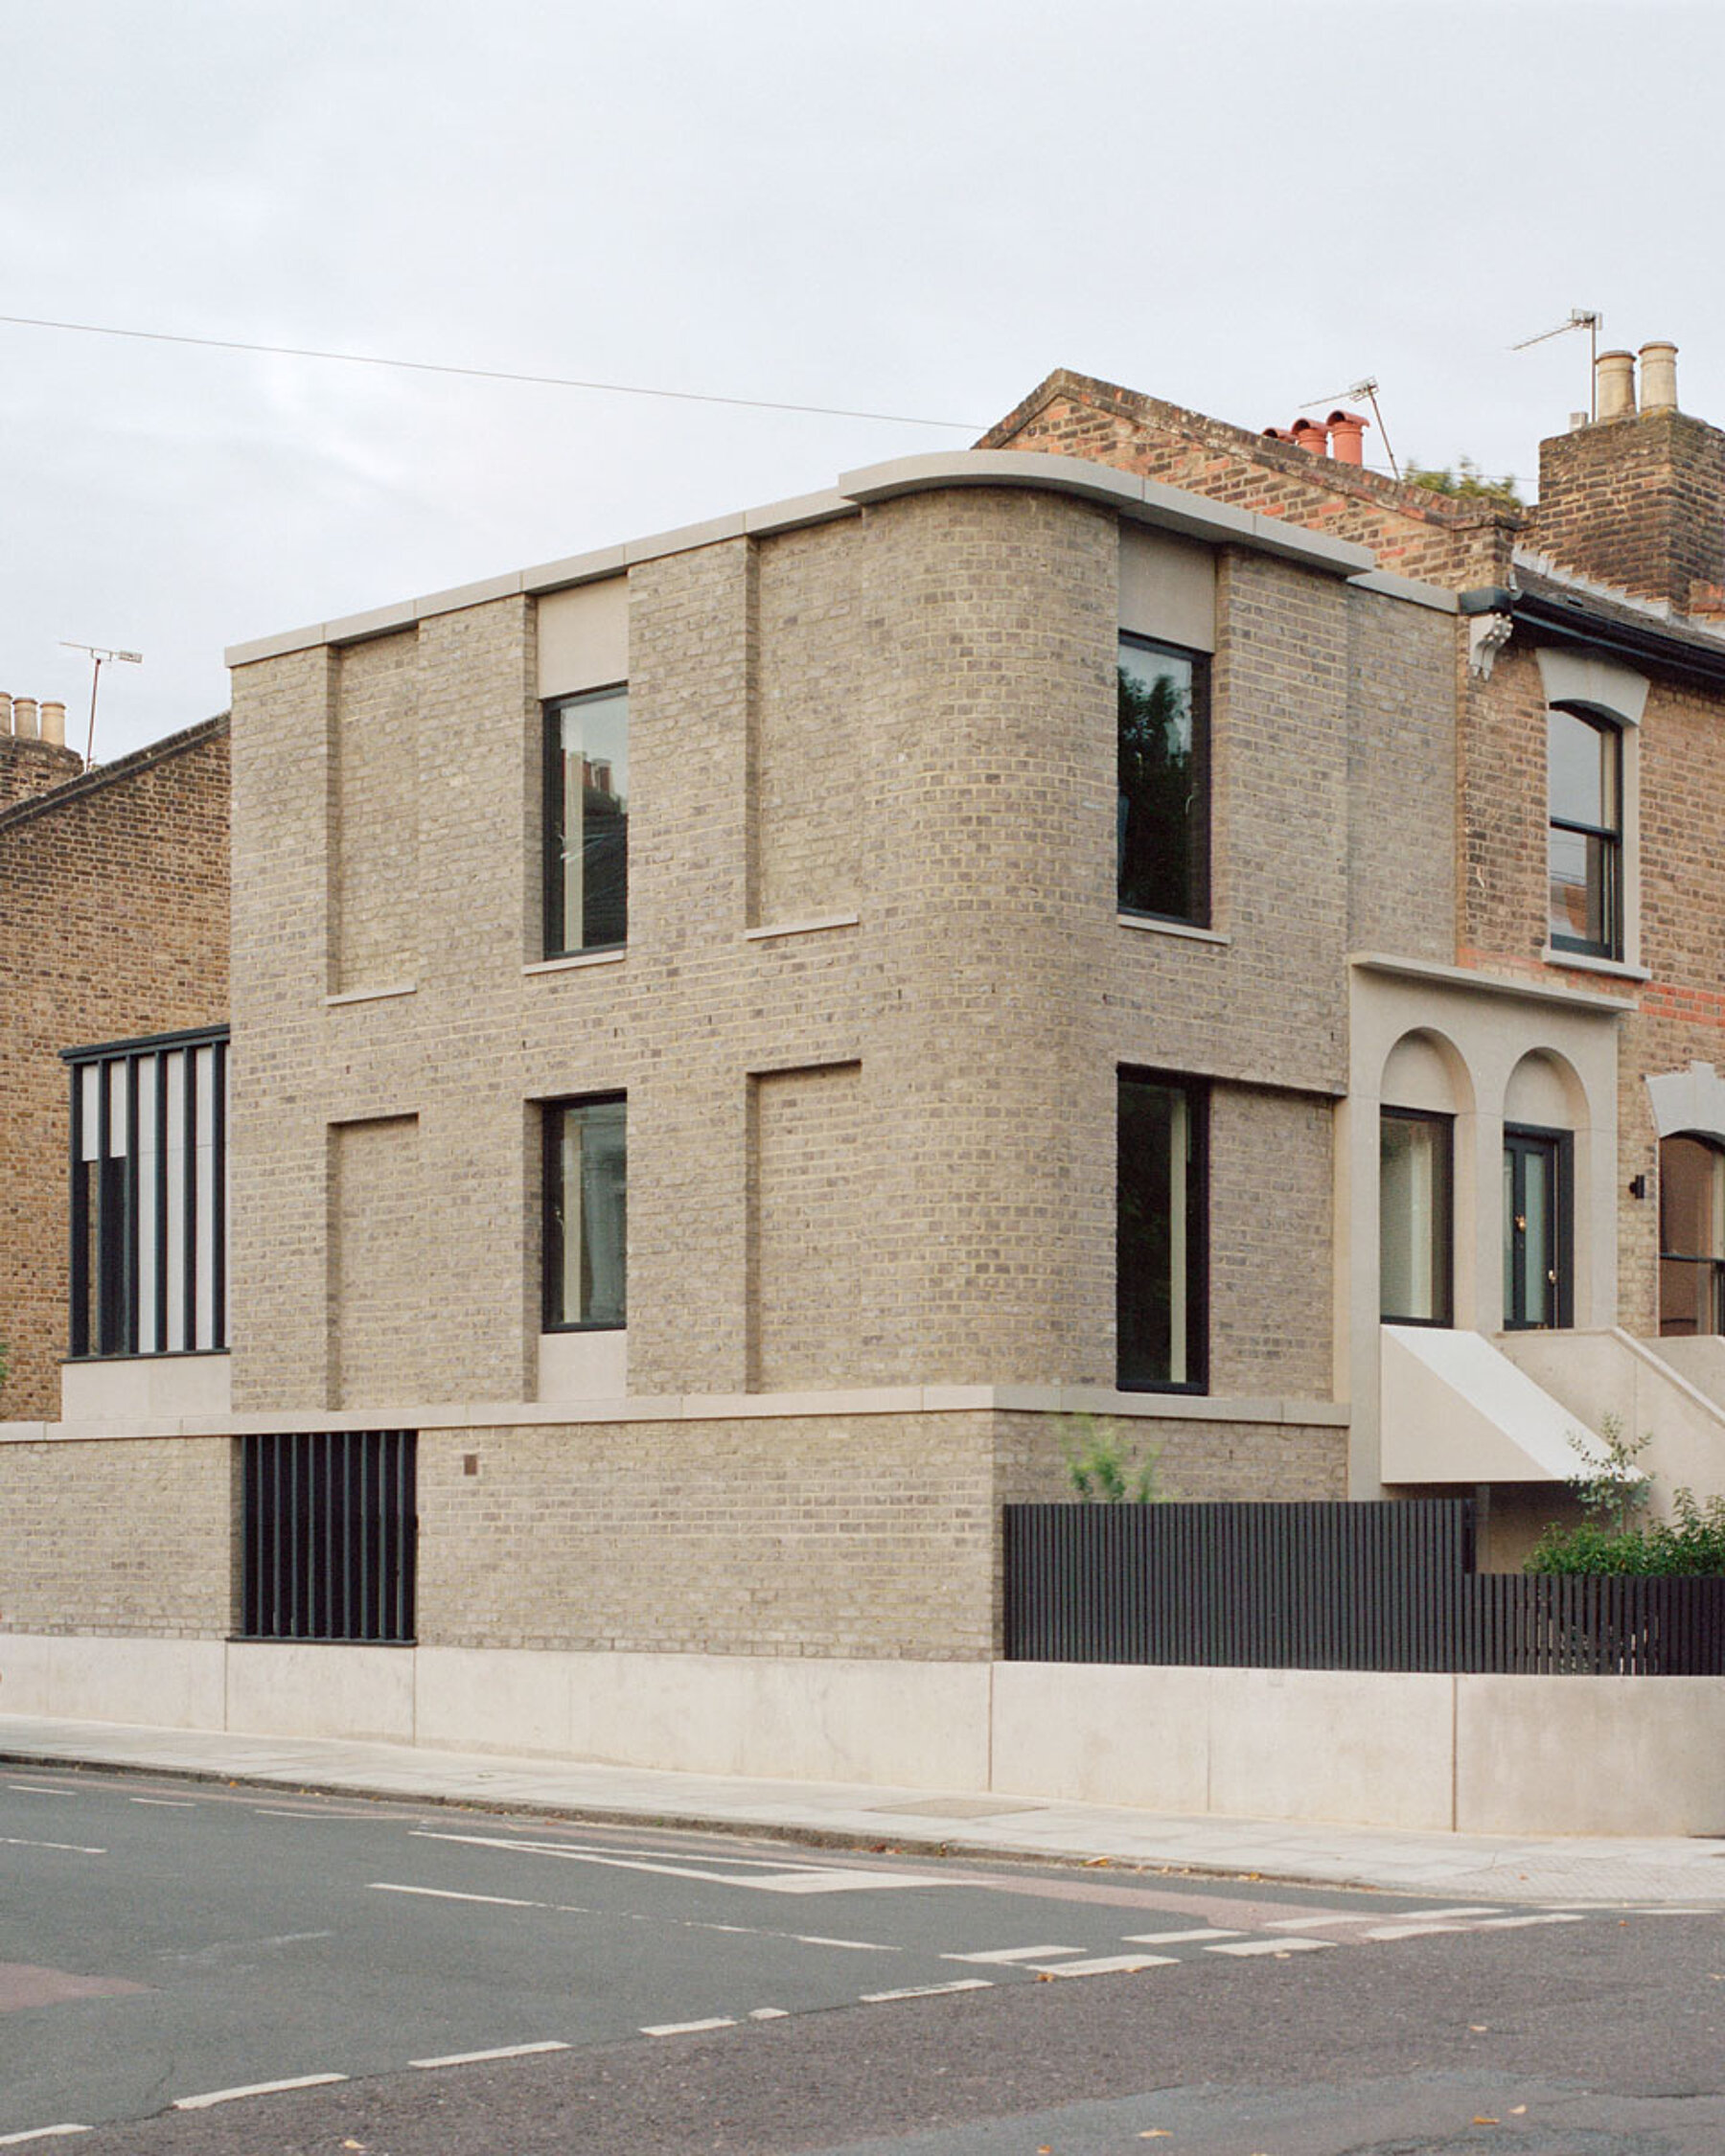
(33, 756)
(1637, 497)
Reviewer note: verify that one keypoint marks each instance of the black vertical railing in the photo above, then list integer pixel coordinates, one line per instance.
(1388, 1585)
(329, 1535)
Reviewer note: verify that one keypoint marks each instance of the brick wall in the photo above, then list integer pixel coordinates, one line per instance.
(1638, 502)
(28, 768)
(379, 1311)
(376, 747)
(808, 1216)
(121, 1537)
(114, 923)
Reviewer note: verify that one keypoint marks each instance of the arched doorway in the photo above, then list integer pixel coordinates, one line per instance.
(1691, 1236)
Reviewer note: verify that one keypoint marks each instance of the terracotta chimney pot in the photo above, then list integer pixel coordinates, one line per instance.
(1346, 437)
(1313, 435)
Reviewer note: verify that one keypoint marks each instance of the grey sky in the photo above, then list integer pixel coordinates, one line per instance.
(906, 208)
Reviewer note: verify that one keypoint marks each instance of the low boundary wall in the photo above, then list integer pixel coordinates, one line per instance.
(1475, 1754)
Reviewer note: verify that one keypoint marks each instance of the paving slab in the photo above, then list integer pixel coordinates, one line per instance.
(1574, 1871)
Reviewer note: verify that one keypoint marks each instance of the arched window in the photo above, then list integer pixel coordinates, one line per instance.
(1691, 1236)
(1584, 851)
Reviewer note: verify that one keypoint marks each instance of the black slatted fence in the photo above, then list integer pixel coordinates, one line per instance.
(329, 1536)
(1387, 1585)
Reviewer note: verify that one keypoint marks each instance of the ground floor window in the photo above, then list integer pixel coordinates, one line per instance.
(586, 1233)
(1415, 1242)
(329, 1535)
(1158, 1252)
(1692, 1237)
(149, 1197)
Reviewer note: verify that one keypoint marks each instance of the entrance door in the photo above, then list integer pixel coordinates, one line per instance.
(1536, 1231)
(1692, 1237)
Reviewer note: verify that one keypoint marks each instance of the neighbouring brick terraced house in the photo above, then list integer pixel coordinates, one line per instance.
(740, 1037)
(114, 923)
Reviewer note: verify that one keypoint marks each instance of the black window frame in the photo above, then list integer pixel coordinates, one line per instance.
(1445, 1272)
(552, 1206)
(1520, 1140)
(1199, 801)
(555, 839)
(111, 1318)
(1611, 945)
(1196, 1093)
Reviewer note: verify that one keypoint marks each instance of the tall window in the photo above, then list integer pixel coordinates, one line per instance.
(1415, 1240)
(149, 1200)
(1691, 1236)
(587, 822)
(1159, 1235)
(1162, 819)
(1584, 764)
(586, 1175)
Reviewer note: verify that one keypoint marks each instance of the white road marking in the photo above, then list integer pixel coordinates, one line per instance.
(1422, 1915)
(449, 1894)
(1415, 1931)
(252, 2089)
(42, 1789)
(76, 1848)
(474, 2059)
(689, 2028)
(167, 1804)
(1013, 1954)
(1274, 1946)
(851, 1945)
(1108, 1965)
(1319, 1923)
(1174, 1938)
(928, 1990)
(768, 2014)
(806, 1879)
(41, 2133)
(1515, 1923)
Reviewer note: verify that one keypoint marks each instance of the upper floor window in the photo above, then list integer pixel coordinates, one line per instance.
(1584, 777)
(1162, 827)
(587, 822)
(149, 1195)
(585, 1238)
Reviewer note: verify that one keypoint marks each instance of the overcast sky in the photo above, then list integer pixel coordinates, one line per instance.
(911, 208)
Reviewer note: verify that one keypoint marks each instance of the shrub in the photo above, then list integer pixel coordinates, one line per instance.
(1103, 1469)
(1615, 1537)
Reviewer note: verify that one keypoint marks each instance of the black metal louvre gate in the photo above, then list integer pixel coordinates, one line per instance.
(1387, 1586)
(330, 1536)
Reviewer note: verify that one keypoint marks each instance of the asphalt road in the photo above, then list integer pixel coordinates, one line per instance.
(167, 1948)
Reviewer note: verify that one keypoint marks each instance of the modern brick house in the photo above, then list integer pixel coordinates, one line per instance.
(738, 1038)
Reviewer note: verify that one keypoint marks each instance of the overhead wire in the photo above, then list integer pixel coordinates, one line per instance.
(484, 374)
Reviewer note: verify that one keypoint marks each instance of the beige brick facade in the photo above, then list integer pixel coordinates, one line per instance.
(872, 1013)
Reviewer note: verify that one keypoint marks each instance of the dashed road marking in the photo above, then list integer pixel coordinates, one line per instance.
(449, 1894)
(167, 1804)
(213, 2096)
(1476, 1908)
(850, 1945)
(768, 2013)
(1515, 1923)
(73, 1848)
(502, 2051)
(927, 1990)
(42, 1789)
(1288, 1945)
(41, 2133)
(1415, 1930)
(1108, 1964)
(688, 2028)
(759, 1874)
(1317, 1923)
(1000, 1954)
(1176, 1938)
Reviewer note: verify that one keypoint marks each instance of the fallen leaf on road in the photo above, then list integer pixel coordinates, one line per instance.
(1518, 2111)
(1479, 2028)
(1483, 2118)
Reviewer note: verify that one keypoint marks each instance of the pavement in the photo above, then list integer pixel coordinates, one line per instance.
(1664, 1872)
